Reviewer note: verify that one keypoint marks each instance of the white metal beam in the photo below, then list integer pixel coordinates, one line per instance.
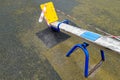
(101, 40)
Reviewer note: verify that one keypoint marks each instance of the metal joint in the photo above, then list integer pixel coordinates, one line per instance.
(58, 26)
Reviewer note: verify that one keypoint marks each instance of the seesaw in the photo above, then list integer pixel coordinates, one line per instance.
(49, 13)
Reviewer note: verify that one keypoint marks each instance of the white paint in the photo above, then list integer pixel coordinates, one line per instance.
(106, 42)
(109, 43)
(42, 14)
(74, 30)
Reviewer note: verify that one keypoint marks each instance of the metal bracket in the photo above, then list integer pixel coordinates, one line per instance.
(58, 29)
(84, 48)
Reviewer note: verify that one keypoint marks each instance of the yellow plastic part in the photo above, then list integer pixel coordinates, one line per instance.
(50, 13)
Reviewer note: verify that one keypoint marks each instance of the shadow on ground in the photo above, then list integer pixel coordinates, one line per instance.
(50, 38)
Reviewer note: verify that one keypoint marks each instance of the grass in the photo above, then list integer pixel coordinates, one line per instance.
(21, 61)
(24, 56)
(103, 14)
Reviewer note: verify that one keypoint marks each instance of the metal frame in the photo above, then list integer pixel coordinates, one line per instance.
(84, 48)
(58, 26)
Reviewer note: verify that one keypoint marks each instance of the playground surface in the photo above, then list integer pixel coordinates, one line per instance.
(29, 50)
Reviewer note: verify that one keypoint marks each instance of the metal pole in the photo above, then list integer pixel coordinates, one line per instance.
(93, 37)
(83, 47)
(102, 55)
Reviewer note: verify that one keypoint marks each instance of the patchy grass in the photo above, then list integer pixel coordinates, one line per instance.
(19, 59)
(24, 56)
(103, 14)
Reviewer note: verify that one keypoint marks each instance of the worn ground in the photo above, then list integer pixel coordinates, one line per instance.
(24, 55)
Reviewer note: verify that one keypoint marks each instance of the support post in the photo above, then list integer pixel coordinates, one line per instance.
(102, 55)
(84, 48)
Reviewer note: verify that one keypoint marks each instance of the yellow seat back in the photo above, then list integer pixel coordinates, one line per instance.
(50, 13)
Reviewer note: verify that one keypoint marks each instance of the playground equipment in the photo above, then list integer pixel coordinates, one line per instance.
(84, 48)
(49, 13)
